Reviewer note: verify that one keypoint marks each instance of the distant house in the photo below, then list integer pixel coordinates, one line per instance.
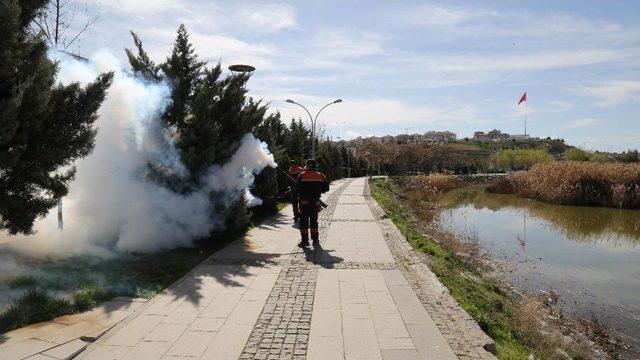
(493, 135)
(519, 137)
(439, 136)
(388, 139)
(497, 135)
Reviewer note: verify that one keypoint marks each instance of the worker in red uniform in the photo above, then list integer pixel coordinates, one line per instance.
(311, 184)
(294, 172)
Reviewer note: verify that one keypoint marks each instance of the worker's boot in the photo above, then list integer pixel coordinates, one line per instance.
(316, 239)
(304, 242)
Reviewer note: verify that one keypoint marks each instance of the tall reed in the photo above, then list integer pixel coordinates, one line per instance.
(434, 183)
(579, 183)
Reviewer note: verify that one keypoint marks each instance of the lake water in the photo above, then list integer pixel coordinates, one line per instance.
(590, 256)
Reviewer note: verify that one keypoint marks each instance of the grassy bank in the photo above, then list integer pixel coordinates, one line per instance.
(578, 183)
(518, 328)
(59, 287)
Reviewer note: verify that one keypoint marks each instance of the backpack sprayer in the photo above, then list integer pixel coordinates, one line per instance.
(322, 203)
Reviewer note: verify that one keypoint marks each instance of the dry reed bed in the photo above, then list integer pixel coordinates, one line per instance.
(429, 184)
(577, 183)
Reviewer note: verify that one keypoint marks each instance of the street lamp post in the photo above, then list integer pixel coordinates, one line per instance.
(348, 159)
(313, 122)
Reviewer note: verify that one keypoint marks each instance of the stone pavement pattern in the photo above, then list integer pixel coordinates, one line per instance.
(67, 335)
(263, 298)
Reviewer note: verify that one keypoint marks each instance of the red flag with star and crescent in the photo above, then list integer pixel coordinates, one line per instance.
(523, 98)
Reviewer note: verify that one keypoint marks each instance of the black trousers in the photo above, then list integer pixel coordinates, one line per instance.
(296, 205)
(309, 220)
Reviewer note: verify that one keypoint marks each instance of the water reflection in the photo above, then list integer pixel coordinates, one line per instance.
(590, 255)
(617, 227)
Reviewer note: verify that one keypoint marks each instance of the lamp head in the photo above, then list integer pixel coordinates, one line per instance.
(291, 101)
(337, 101)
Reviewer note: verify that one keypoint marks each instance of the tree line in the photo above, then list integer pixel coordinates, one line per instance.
(45, 127)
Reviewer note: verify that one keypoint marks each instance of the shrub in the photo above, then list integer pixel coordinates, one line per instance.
(519, 159)
(575, 154)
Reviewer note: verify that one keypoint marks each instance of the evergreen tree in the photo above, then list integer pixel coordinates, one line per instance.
(199, 138)
(270, 182)
(183, 70)
(299, 141)
(208, 115)
(140, 62)
(44, 127)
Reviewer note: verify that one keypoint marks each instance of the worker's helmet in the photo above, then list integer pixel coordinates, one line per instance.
(293, 162)
(311, 164)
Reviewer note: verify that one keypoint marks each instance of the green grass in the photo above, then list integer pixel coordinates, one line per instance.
(481, 298)
(20, 282)
(33, 306)
(89, 281)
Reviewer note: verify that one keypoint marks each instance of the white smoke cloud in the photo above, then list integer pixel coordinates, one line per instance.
(111, 206)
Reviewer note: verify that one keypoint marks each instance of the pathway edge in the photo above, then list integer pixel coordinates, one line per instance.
(461, 331)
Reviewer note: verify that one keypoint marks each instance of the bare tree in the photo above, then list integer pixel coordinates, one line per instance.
(56, 20)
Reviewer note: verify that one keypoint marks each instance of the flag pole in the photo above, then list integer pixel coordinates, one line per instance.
(525, 119)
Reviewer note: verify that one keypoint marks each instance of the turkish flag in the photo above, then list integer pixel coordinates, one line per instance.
(523, 98)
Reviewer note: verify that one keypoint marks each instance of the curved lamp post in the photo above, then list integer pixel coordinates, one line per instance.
(241, 68)
(313, 122)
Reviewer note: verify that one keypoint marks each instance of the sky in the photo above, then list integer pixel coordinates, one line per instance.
(413, 66)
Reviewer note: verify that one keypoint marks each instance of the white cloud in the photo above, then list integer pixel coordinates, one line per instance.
(140, 7)
(352, 135)
(232, 50)
(268, 18)
(582, 123)
(375, 112)
(212, 47)
(559, 106)
(526, 62)
(474, 21)
(613, 92)
(434, 15)
(437, 70)
(344, 43)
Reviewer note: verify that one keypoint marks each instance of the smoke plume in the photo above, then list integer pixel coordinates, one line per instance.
(112, 205)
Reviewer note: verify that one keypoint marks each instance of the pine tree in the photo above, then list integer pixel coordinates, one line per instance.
(236, 115)
(43, 127)
(183, 69)
(140, 62)
(199, 137)
(209, 116)
(270, 182)
(299, 141)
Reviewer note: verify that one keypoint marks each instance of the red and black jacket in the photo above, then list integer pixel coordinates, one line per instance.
(295, 170)
(311, 184)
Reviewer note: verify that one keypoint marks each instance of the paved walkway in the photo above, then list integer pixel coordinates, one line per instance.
(67, 335)
(263, 298)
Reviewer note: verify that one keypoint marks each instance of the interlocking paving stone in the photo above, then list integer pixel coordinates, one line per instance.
(263, 298)
(286, 316)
